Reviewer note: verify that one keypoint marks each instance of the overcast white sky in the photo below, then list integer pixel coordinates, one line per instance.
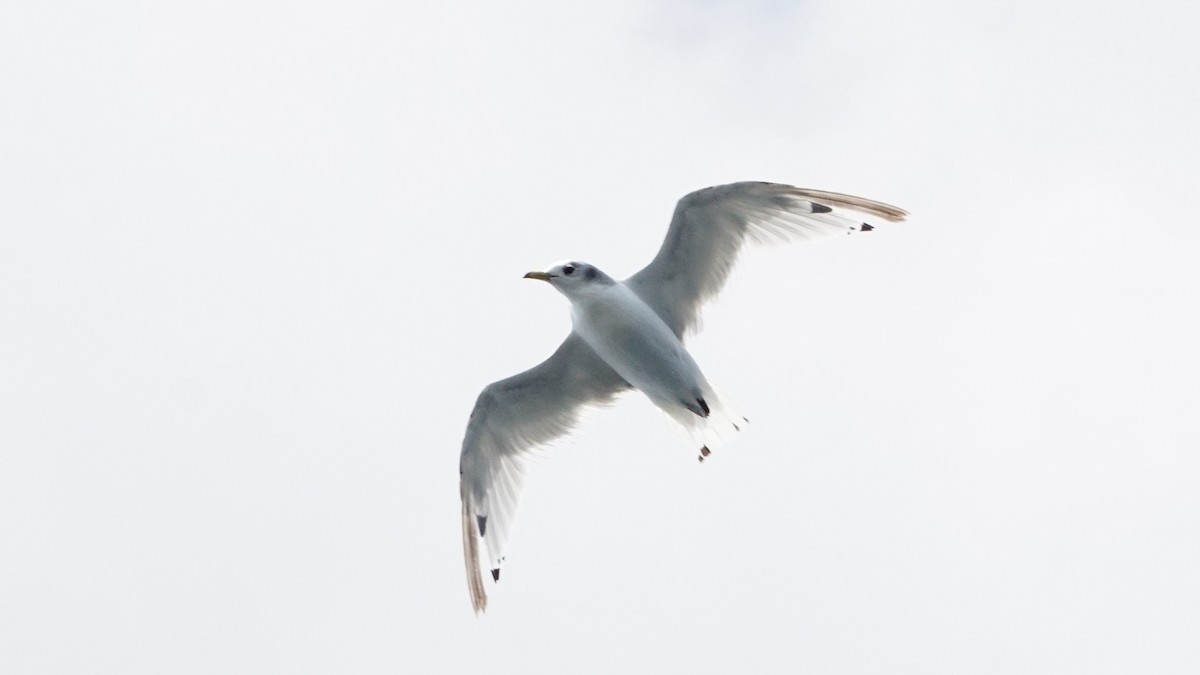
(257, 259)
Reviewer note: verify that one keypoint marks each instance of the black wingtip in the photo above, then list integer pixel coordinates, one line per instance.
(704, 406)
(820, 208)
(867, 227)
(496, 574)
(482, 522)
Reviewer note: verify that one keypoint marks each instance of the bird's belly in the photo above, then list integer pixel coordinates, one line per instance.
(644, 352)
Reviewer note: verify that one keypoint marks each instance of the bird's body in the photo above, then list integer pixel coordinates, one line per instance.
(629, 335)
(635, 342)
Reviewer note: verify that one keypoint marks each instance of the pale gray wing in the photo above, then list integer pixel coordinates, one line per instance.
(510, 418)
(710, 226)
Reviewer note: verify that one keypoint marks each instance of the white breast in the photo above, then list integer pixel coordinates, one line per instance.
(636, 343)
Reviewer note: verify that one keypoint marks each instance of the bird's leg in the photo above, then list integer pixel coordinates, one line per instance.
(704, 452)
(698, 406)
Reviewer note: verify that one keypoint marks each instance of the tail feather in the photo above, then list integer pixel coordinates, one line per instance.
(710, 431)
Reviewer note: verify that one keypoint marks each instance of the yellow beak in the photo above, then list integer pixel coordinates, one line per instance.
(541, 276)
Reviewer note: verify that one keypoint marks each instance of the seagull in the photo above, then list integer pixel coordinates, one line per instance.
(629, 335)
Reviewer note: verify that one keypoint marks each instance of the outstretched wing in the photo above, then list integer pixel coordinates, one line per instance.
(511, 417)
(710, 226)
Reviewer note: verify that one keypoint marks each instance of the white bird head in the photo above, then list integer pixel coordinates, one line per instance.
(573, 278)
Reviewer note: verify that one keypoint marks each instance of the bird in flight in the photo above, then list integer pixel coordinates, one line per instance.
(628, 335)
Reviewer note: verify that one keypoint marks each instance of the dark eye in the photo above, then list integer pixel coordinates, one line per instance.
(568, 270)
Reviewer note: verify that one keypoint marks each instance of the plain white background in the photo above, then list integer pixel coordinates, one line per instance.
(257, 259)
